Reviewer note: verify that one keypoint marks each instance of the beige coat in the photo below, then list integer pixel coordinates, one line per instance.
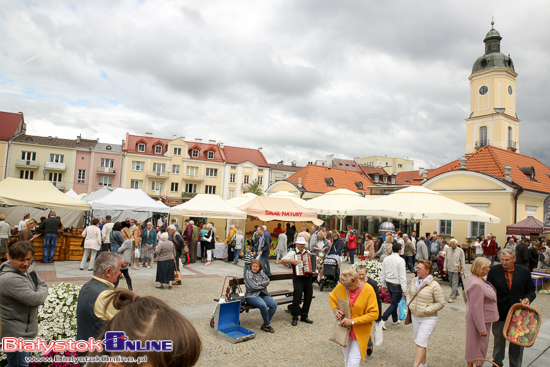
(428, 302)
(409, 248)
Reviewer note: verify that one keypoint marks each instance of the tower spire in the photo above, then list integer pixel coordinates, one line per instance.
(492, 22)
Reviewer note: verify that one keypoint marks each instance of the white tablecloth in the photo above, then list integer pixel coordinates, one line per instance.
(220, 252)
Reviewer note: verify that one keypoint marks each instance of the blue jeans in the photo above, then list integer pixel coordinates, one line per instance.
(351, 256)
(236, 252)
(17, 359)
(265, 265)
(490, 257)
(410, 263)
(50, 243)
(267, 306)
(396, 294)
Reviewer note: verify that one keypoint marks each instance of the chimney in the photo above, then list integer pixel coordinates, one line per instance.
(50, 137)
(420, 170)
(300, 183)
(281, 162)
(221, 144)
(260, 149)
(149, 134)
(293, 163)
(507, 171)
(174, 137)
(462, 161)
(78, 138)
(198, 140)
(123, 142)
(330, 158)
(425, 175)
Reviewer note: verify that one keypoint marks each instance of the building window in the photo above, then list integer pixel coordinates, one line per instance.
(399, 165)
(210, 189)
(176, 169)
(385, 179)
(28, 156)
(55, 177)
(232, 178)
(195, 153)
(156, 185)
(210, 155)
(477, 229)
(192, 171)
(211, 172)
(81, 178)
(56, 158)
(26, 175)
(446, 227)
(233, 167)
(483, 136)
(191, 188)
(105, 180)
(159, 167)
(107, 163)
(261, 180)
(136, 184)
(137, 165)
(246, 179)
(177, 151)
(141, 147)
(231, 193)
(158, 149)
(260, 169)
(174, 186)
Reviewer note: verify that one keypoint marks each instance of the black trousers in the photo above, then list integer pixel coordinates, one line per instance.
(302, 285)
(127, 277)
(178, 255)
(230, 254)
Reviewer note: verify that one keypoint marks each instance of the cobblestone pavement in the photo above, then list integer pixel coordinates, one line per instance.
(303, 345)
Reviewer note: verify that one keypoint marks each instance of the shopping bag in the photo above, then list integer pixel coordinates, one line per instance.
(378, 334)
(340, 334)
(402, 313)
(137, 255)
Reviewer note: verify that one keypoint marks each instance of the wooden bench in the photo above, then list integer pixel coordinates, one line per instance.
(281, 297)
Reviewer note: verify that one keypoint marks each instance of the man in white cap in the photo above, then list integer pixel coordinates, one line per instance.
(302, 285)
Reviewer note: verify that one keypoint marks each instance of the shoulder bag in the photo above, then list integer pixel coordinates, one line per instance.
(408, 319)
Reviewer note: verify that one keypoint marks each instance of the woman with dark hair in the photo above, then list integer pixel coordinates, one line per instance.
(125, 251)
(116, 238)
(256, 282)
(92, 244)
(149, 318)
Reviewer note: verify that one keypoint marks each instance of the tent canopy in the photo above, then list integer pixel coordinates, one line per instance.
(527, 226)
(37, 194)
(129, 199)
(241, 199)
(98, 194)
(417, 203)
(268, 208)
(209, 206)
(291, 196)
(71, 193)
(338, 202)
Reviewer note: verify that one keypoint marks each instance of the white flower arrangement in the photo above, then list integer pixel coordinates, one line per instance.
(374, 268)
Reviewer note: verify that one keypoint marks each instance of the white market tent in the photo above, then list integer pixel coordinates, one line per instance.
(71, 193)
(341, 202)
(267, 208)
(38, 198)
(241, 199)
(289, 195)
(127, 203)
(417, 203)
(98, 194)
(209, 206)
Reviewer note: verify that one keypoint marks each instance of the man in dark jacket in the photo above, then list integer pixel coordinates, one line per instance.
(522, 254)
(513, 284)
(90, 309)
(21, 293)
(50, 226)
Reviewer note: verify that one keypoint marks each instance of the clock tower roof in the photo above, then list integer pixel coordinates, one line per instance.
(493, 58)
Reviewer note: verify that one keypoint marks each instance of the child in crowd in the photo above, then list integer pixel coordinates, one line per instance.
(248, 257)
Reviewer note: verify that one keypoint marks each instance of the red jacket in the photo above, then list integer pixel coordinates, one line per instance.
(489, 248)
(352, 241)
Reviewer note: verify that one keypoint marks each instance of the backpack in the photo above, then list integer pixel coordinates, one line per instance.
(434, 248)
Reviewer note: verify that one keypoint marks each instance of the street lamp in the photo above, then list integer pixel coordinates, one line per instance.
(44, 172)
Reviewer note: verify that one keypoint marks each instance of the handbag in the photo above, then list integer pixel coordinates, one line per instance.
(340, 334)
(233, 242)
(177, 276)
(235, 294)
(402, 309)
(136, 253)
(408, 319)
(185, 249)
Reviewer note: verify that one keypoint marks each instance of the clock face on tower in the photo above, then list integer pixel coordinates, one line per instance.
(510, 90)
(483, 90)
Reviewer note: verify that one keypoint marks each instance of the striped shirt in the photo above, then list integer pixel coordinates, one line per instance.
(248, 257)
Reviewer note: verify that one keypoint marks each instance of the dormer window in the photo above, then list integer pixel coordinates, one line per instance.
(359, 185)
(529, 172)
(195, 153)
(329, 181)
(158, 149)
(385, 179)
(210, 155)
(141, 147)
(109, 147)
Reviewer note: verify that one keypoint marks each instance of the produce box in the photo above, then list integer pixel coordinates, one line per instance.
(522, 325)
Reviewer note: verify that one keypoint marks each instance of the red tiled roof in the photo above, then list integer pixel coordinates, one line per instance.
(56, 142)
(370, 170)
(313, 179)
(204, 148)
(492, 161)
(8, 123)
(237, 155)
(131, 143)
(406, 177)
(347, 164)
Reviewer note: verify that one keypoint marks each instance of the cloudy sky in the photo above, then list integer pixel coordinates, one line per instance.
(300, 78)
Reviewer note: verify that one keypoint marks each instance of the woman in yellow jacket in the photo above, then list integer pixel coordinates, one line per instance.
(364, 310)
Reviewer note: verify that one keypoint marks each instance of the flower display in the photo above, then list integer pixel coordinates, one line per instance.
(374, 268)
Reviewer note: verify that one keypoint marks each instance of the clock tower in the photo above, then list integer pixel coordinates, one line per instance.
(493, 120)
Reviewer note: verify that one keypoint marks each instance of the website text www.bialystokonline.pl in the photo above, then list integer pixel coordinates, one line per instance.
(88, 359)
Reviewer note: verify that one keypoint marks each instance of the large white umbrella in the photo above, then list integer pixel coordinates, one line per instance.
(417, 203)
(341, 202)
(209, 206)
(241, 199)
(289, 195)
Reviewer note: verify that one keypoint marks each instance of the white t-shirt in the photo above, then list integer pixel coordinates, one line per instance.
(22, 224)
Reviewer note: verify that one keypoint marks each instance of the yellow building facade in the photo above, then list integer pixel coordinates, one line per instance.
(389, 164)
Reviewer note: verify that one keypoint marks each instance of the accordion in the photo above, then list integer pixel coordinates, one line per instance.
(306, 264)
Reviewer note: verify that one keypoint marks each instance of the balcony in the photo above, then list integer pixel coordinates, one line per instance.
(512, 145)
(157, 174)
(56, 166)
(481, 143)
(193, 177)
(106, 171)
(21, 163)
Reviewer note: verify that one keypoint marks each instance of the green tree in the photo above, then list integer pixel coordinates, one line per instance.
(255, 188)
